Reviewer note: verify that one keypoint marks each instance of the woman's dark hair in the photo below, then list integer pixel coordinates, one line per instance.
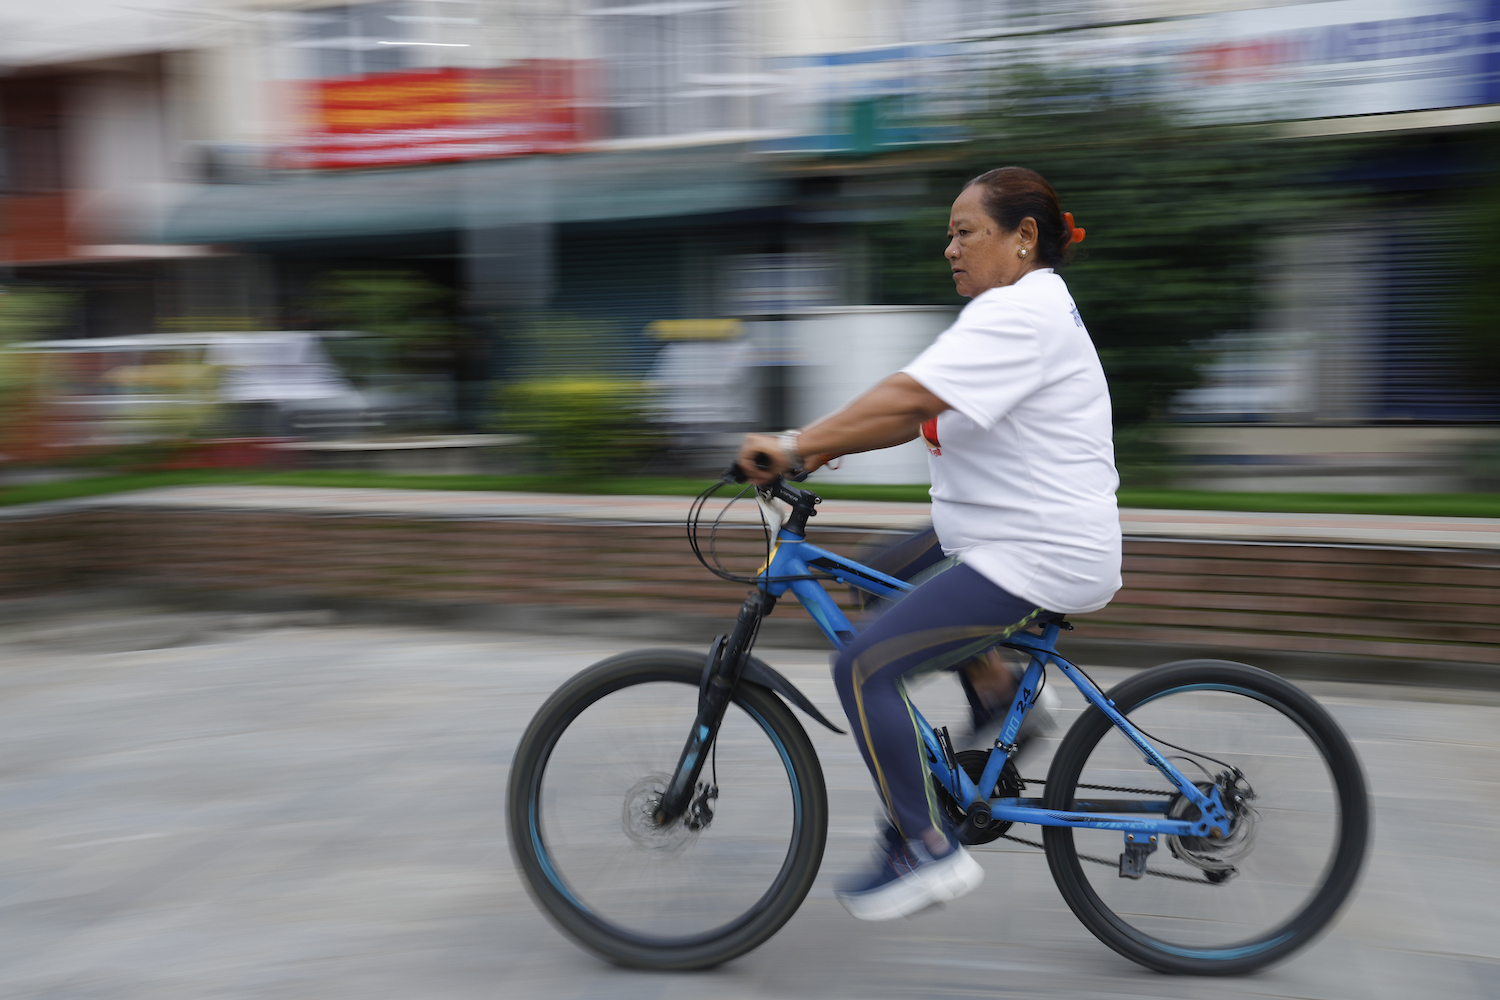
(1013, 193)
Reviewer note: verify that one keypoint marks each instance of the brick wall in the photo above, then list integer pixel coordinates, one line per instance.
(1365, 601)
(1433, 604)
(646, 568)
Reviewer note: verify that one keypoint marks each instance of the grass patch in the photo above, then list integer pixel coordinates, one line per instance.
(100, 485)
(1428, 504)
(589, 485)
(1423, 504)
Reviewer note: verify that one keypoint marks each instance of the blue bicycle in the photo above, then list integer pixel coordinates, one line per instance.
(669, 812)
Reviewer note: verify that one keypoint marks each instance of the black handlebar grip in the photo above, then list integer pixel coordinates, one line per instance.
(762, 461)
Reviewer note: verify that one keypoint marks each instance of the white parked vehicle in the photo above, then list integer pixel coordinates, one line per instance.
(282, 383)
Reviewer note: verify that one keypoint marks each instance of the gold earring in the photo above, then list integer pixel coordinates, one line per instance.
(1021, 253)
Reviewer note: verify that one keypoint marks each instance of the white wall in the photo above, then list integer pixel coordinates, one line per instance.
(118, 154)
(813, 27)
(37, 32)
(845, 350)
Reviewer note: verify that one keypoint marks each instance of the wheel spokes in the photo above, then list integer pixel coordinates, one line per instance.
(1278, 854)
(601, 782)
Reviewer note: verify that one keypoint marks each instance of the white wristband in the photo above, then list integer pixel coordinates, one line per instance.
(786, 443)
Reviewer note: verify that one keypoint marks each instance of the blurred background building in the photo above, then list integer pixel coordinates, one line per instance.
(719, 214)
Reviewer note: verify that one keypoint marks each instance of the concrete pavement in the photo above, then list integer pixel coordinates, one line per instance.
(1346, 529)
(213, 805)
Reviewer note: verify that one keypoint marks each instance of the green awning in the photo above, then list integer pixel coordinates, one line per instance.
(578, 187)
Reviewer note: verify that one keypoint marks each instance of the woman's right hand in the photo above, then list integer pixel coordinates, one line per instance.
(757, 448)
(768, 445)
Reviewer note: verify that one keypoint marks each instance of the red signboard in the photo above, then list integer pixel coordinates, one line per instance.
(393, 119)
(34, 228)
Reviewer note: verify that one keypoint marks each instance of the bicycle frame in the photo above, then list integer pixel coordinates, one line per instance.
(794, 563)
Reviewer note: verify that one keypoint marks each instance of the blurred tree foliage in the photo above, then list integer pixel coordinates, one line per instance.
(565, 344)
(408, 313)
(1176, 217)
(1479, 305)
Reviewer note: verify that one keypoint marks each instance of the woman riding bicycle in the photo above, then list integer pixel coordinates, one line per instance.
(1012, 404)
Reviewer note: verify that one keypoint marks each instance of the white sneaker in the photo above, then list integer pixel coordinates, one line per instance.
(910, 879)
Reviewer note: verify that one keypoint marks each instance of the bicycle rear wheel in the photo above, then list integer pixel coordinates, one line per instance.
(1219, 906)
(587, 776)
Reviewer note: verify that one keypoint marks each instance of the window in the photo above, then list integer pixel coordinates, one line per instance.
(674, 67)
(31, 138)
(384, 36)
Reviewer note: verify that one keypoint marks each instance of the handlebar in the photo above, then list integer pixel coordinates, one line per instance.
(762, 462)
(777, 487)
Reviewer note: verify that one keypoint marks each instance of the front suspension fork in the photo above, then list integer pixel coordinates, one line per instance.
(722, 672)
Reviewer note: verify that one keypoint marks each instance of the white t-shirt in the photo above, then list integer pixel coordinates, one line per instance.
(1023, 470)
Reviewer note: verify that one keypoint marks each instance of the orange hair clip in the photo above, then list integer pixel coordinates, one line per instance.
(1075, 233)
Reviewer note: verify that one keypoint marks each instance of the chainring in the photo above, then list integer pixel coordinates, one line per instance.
(1009, 785)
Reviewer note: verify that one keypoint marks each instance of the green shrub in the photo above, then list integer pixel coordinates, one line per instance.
(581, 424)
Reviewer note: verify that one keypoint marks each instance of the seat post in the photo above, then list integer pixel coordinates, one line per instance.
(1050, 632)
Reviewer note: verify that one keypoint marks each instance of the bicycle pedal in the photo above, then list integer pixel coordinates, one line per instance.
(1133, 861)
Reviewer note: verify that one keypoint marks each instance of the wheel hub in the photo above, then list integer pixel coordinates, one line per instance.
(637, 817)
(1217, 857)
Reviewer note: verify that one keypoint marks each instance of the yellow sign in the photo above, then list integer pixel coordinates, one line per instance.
(695, 329)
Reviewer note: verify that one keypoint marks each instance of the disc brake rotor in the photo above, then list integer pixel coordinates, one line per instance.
(1217, 857)
(636, 816)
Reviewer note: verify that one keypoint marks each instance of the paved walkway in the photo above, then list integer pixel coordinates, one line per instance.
(1359, 529)
(212, 806)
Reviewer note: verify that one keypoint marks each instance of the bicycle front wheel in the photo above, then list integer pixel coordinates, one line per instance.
(1236, 902)
(587, 776)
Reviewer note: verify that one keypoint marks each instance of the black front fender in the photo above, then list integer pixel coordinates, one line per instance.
(759, 672)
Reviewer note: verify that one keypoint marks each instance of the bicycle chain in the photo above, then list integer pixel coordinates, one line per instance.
(1106, 788)
(1105, 861)
(1108, 863)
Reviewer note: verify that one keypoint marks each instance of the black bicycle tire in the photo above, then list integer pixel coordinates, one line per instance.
(1291, 935)
(753, 928)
